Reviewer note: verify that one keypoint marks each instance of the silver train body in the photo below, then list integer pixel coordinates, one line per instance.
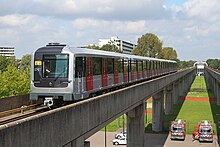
(63, 73)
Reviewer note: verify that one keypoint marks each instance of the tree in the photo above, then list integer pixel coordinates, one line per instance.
(25, 62)
(110, 47)
(214, 63)
(184, 64)
(6, 61)
(168, 53)
(149, 45)
(13, 82)
(93, 47)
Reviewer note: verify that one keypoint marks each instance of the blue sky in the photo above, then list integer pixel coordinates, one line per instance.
(191, 27)
(174, 2)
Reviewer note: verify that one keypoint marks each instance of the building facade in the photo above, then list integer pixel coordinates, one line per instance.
(124, 46)
(7, 51)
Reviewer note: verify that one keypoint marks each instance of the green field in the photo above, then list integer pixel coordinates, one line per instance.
(192, 111)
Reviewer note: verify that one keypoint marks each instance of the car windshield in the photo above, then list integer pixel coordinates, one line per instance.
(174, 129)
(205, 131)
(55, 66)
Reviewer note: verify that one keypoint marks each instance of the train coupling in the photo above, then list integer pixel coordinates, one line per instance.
(48, 102)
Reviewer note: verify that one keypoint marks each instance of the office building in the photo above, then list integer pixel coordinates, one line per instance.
(124, 46)
(7, 51)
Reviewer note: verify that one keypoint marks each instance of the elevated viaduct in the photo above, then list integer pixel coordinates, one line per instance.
(71, 125)
(213, 82)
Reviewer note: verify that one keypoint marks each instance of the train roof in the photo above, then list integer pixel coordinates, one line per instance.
(86, 51)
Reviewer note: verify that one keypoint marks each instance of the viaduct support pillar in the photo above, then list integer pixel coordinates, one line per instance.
(135, 126)
(218, 93)
(215, 87)
(158, 112)
(175, 93)
(169, 100)
(180, 88)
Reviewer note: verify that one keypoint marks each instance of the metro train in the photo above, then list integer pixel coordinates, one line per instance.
(60, 73)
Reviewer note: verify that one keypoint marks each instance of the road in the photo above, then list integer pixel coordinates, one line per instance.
(151, 140)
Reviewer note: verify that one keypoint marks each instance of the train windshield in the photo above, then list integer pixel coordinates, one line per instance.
(55, 66)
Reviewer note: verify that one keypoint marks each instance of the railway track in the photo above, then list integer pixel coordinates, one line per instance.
(20, 113)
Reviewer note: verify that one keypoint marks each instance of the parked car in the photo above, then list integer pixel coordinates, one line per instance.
(204, 131)
(121, 134)
(120, 141)
(178, 129)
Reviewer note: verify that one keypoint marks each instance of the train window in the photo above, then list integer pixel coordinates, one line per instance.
(126, 66)
(133, 66)
(80, 67)
(110, 65)
(55, 66)
(140, 66)
(97, 65)
(119, 65)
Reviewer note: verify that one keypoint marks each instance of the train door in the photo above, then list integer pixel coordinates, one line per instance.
(104, 72)
(140, 72)
(133, 69)
(144, 69)
(151, 68)
(110, 69)
(126, 70)
(116, 65)
(80, 70)
(89, 74)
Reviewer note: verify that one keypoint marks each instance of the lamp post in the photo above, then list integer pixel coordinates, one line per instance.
(105, 138)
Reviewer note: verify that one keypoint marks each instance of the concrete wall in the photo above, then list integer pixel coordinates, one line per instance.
(71, 125)
(13, 102)
(213, 82)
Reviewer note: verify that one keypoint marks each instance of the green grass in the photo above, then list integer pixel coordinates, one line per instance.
(198, 88)
(192, 111)
(116, 124)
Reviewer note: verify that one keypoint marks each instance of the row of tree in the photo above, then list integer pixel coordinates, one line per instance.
(14, 76)
(214, 63)
(148, 45)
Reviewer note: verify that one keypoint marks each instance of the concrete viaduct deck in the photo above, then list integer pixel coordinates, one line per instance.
(71, 125)
(213, 82)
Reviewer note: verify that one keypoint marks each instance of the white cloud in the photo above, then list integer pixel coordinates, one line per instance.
(130, 27)
(103, 9)
(208, 10)
(190, 28)
(15, 19)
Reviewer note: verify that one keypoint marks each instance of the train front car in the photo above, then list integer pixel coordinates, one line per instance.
(50, 78)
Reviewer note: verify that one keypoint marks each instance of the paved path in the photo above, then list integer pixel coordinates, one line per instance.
(98, 139)
(151, 140)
